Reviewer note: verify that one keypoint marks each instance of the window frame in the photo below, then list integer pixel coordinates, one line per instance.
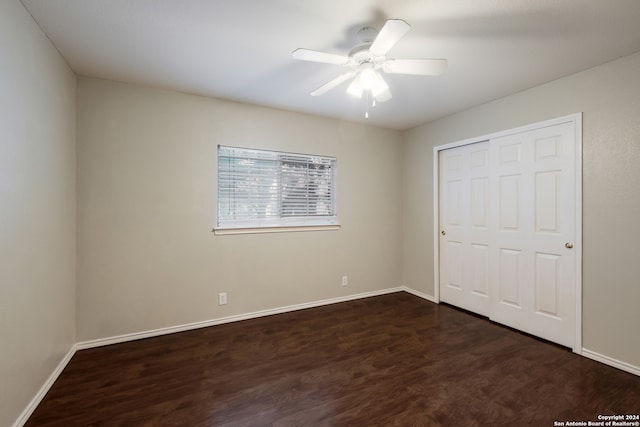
(280, 223)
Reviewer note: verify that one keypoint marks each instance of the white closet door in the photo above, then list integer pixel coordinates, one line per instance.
(464, 224)
(507, 212)
(532, 264)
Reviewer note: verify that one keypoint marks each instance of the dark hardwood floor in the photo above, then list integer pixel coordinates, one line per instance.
(393, 360)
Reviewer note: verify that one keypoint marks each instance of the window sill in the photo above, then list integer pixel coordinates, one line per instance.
(286, 229)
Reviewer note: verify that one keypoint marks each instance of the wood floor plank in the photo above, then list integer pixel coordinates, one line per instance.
(392, 360)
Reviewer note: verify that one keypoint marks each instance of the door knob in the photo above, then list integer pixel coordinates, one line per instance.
(568, 245)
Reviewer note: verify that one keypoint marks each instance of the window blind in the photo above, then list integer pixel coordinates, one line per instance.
(259, 188)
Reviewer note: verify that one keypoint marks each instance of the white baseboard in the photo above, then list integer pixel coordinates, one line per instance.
(419, 294)
(24, 416)
(22, 419)
(611, 361)
(222, 320)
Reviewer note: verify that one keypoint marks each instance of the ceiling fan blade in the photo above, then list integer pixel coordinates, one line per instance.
(333, 83)
(422, 67)
(316, 56)
(388, 36)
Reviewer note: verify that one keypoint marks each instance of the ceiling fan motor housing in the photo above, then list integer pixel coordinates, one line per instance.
(367, 34)
(360, 54)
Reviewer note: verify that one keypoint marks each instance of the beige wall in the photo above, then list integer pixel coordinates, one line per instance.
(147, 202)
(609, 97)
(37, 209)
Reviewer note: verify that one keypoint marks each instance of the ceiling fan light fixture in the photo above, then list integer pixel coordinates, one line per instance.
(379, 87)
(355, 89)
(368, 80)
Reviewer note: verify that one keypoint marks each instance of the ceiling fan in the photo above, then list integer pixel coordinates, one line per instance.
(366, 59)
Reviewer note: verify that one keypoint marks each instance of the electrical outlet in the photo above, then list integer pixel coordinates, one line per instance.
(345, 280)
(222, 298)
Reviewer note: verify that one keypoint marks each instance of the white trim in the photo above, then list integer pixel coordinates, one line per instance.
(576, 118)
(26, 413)
(222, 320)
(436, 225)
(254, 230)
(419, 294)
(577, 343)
(611, 361)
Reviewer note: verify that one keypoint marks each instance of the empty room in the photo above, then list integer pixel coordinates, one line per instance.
(320, 213)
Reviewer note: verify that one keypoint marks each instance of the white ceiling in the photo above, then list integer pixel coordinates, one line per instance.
(241, 49)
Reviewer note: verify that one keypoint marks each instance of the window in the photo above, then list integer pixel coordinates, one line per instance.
(258, 188)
